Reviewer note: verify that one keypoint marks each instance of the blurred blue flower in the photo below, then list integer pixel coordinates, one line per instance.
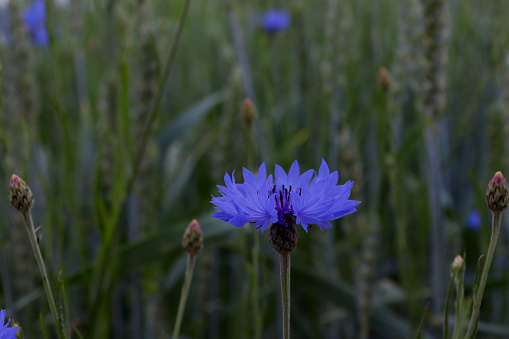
(474, 220)
(6, 332)
(292, 199)
(273, 20)
(35, 19)
(5, 17)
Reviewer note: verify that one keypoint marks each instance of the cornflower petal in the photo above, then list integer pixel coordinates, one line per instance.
(5, 331)
(293, 174)
(323, 173)
(261, 176)
(305, 178)
(281, 177)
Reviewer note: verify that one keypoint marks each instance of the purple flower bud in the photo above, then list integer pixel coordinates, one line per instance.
(497, 194)
(192, 241)
(20, 196)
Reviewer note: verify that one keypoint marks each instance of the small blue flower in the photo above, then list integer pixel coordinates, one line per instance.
(35, 19)
(6, 332)
(273, 20)
(292, 199)
(474, 220)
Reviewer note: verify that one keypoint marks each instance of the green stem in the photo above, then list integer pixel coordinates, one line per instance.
(460, 300)
(27, 218)
(284, 261)
(191, 261)
(497, 218)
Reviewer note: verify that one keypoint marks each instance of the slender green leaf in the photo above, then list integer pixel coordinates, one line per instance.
(447, 302)
(421, 323)
(190, 117)
(43, 327)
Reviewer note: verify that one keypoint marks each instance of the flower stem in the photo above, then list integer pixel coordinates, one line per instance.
(460, 301)
(497, 218)
(284, 260)
(191, 261)
(27, 218)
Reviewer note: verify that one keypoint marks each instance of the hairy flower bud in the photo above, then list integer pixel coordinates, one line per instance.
(20, 196)
(283, 238)
(193, 238)
(248, 112)
(497, 194)
(457, 263)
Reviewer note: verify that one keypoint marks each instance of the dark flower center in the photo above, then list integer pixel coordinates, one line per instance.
(284, 204)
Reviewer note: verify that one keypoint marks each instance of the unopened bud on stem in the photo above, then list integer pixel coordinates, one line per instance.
(457, 263)
(497, 194)
(20, 196)
(193, 238)
(384, 79)
(248, 112)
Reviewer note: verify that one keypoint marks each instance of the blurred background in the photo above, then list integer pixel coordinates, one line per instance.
(408, 98)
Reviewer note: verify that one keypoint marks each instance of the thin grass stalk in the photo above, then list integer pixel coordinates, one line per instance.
(154, 107)
(191, 261)
(27, 218)
(474, 318)
(284, 262)
(43, 327)
(240, 51)
(433, 98)
(391, 119)
(66, 322)
(363, 235)
(249, 115)
(446, 314)
(333, 65)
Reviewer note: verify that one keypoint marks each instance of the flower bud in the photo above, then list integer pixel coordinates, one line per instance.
(497, 195)
(248, 112)
(20, 196)
(384, 79)
(283, 238)
(457, 263)
(19, 331)
(193, 238)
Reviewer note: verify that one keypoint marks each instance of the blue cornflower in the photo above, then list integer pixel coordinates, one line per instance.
(273, 20)
(474, 220)
(292, 199)
(35, 19)
(6, 332)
